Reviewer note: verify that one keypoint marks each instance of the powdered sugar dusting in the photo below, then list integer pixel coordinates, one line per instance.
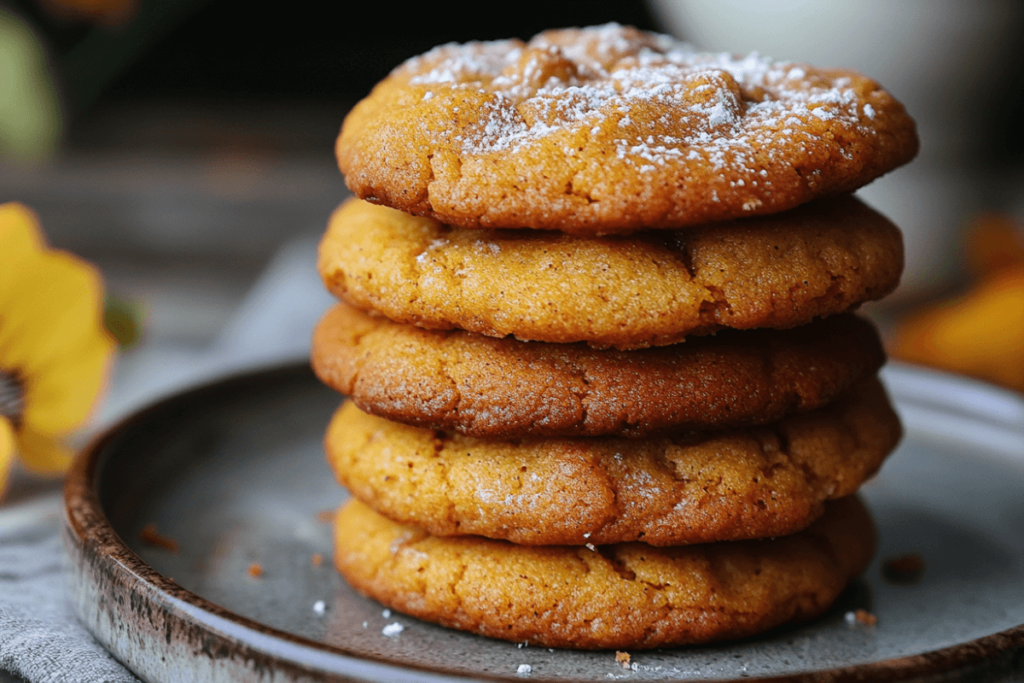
(667, 102)
(454, 63)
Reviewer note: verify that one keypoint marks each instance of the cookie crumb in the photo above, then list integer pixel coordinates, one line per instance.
(392, 629)
(904, 570)
(861, 616)
(317, 559)
(524, 670)
(622, 658)
(150, 536)
(255, 570)
(386, 614)
(319, 607)
(325, 516)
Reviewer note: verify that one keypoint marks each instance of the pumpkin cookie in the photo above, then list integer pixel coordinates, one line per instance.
(611, 130)
(648, 290)
(627, 596)
(693, 488)
(503, 388)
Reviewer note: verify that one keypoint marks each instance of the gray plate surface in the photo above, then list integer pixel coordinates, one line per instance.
(235, 474)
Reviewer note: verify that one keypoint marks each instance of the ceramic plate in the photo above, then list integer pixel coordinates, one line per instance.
(234, 475)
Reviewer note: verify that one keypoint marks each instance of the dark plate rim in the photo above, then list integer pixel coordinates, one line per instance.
(86, 526)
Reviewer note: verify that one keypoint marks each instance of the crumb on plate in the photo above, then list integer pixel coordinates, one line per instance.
(861, 616)
(150, 536)
(905, 569)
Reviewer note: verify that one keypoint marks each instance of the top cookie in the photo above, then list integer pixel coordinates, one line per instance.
(610, 130)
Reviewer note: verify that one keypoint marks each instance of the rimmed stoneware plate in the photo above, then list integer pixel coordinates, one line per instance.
(234, 474)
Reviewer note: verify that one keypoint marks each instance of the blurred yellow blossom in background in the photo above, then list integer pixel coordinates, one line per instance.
(980, 333)
(54, 351)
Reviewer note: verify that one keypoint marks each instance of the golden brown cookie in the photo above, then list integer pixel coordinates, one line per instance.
(504, 388)
(618, 596)
(647, 290)
(694, 488)
(611, 130)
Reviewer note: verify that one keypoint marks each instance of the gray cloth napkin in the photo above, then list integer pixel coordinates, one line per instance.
(40, 638)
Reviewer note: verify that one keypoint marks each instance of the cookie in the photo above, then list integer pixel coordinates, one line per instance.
(693, 488)
(647, 290)
(611, 130)
(503, 388)
(626, 596)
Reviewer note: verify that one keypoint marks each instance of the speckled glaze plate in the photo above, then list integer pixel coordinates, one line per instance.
(234, 474)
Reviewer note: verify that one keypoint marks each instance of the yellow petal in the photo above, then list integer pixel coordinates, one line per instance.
(20, 240)
(51, 331)
(61, 398)
(980, 334)
(53, 309)
(6, 451)
(43, 454)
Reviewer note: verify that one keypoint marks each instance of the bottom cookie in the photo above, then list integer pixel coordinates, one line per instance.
(628, 595)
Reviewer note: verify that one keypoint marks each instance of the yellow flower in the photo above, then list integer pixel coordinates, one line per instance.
(54, 351)
(980, 333)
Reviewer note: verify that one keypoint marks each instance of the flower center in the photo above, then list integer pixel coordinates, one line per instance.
(12, 396)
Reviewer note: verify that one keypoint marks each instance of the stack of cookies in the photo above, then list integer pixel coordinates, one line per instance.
(606, 391)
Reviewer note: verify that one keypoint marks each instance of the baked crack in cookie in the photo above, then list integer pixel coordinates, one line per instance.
(504, 388)
(652, 289)
(611, 130)
(694, 488)
(617, 596)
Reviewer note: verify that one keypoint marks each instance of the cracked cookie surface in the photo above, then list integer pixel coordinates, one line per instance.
(503, 388)
(611, 130)
(626, 596)
(694, 488)
(650, 289)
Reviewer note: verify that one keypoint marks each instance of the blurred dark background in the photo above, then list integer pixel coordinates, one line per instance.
(221, 49)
